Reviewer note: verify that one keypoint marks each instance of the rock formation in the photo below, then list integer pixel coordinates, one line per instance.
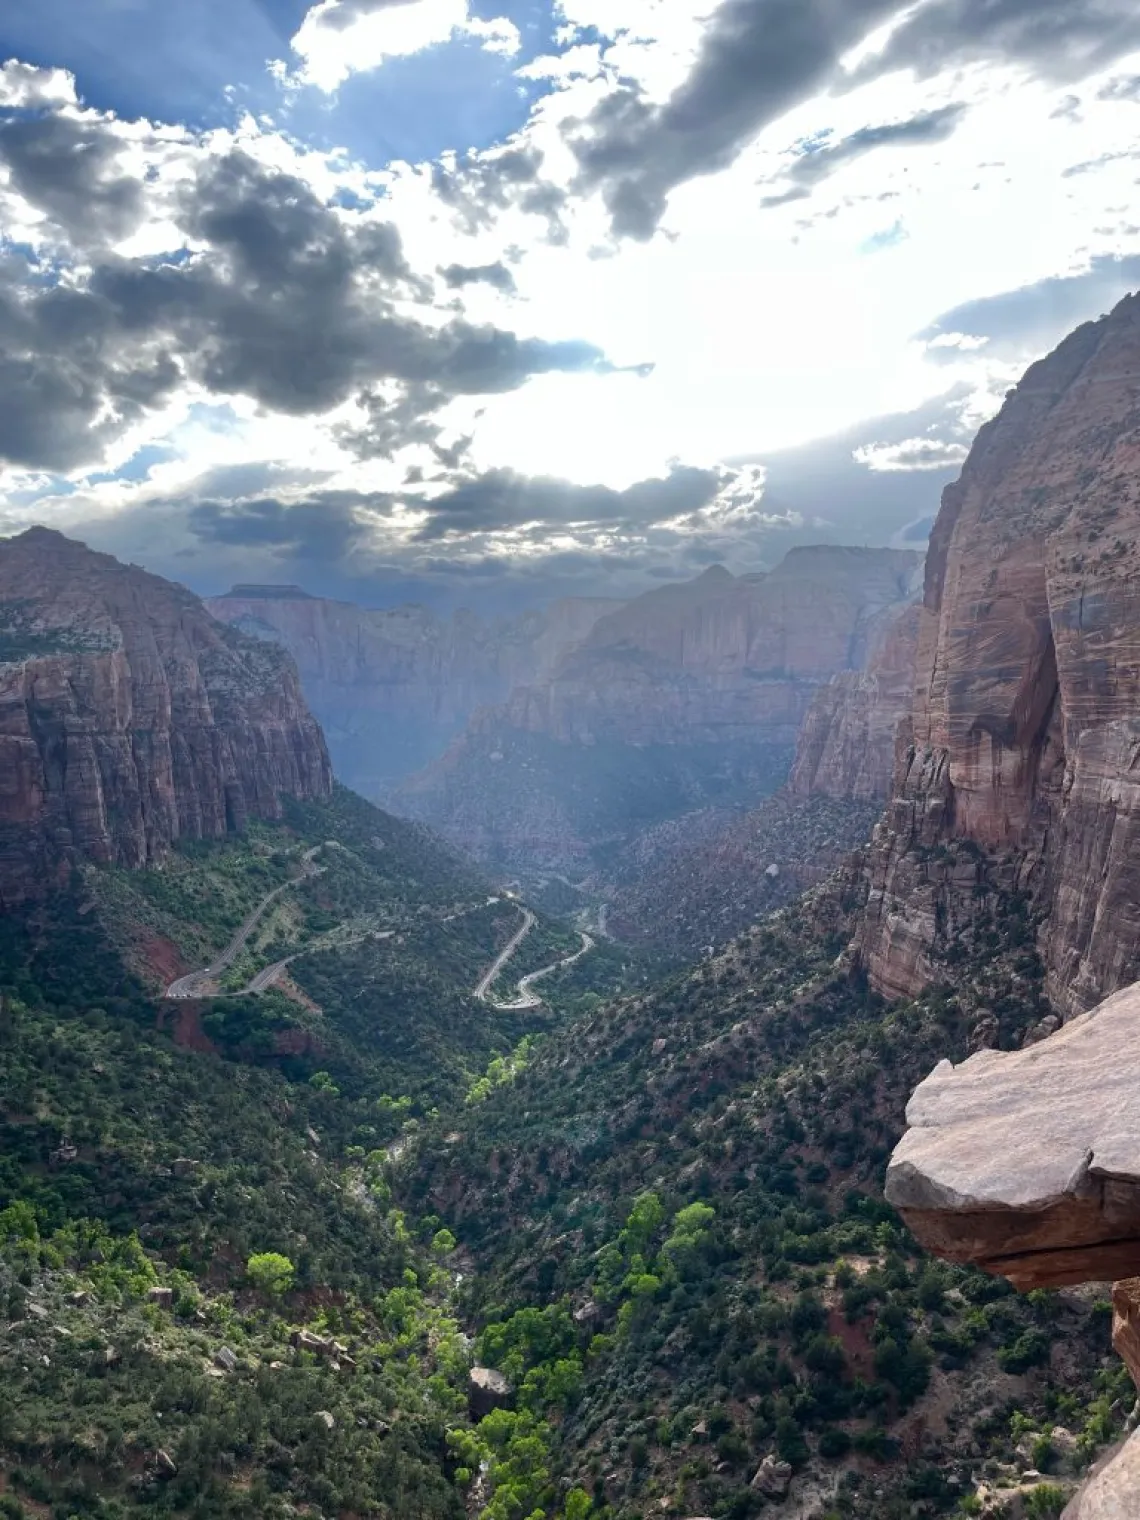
(690, 695)
(849, 741)
(129, 718)
(1027, 1162)
(1026, 735)
(393, 687)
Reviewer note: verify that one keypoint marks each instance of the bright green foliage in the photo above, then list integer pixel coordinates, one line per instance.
(690, 1229)
(645, 1219)
(443, 1242)
(271, 1272)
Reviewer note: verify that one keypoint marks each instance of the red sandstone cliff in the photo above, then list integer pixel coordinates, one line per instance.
(1026, 719)
(129, 718)
(393, 687)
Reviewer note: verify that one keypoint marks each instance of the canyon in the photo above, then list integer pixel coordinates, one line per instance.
(130, 719)
(392, 687)
(691, 696)
(1024, 742)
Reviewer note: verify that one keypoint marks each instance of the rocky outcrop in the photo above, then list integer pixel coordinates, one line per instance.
(393, 687)
(1027, 1163)
(1025, 739)
(849, 742)
(130, 719)
(1113, 1490)
(688, 696)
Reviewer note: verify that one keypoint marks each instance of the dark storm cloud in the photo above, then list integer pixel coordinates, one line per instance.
(1027, 321)
(67, 168)
(285, 304)
(1060, 40)
(497, 275)
(477, 187)
(759, 58)
(503, 499)
(818, 163)
(324, 528)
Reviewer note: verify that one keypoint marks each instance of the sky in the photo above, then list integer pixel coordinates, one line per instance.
(485, 301)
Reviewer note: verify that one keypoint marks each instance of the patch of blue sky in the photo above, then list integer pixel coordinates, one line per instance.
(206, 63)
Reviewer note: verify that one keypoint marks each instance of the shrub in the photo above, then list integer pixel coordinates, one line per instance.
(270, 1272)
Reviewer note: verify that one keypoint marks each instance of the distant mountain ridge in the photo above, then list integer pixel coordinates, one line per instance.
(392, 687)
(688, 696)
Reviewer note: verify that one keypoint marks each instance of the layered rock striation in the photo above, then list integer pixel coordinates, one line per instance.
(392, 687)
(1025, 727)
(130, 719)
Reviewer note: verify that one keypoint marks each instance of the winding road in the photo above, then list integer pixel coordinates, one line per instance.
(203, 983)
(197, 984)
(527, 997)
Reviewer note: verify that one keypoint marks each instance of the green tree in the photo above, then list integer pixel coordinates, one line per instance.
(270, 1272)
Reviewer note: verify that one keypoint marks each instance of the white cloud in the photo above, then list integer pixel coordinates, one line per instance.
(338, 38)
(22, 85)
(911, 454)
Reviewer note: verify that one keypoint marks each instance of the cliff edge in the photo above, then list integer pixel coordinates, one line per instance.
(129, 718)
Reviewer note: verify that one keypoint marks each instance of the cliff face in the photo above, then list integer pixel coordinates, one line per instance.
(688, 696)
(129, 718)
(393, 687)
(720, 658)
(1026, 740)
(849, 742)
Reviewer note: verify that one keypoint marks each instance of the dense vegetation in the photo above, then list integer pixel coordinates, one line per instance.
(250, 1247)
(695, 1177)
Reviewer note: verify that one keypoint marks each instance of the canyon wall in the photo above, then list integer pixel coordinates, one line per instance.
(1026, 718)
(130, 719)
(849, 741)
(688, 697)
(393, 687)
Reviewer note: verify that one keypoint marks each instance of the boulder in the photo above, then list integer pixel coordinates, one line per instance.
(773, 1477)
(487, 1390)
(163, 1297)
(1027, 1163)
(226, 1359)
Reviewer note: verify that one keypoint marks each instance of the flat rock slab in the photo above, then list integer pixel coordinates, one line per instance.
(1027, 1163)
(1113, 1490)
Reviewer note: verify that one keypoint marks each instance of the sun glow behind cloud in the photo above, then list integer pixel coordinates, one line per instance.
(796, 284)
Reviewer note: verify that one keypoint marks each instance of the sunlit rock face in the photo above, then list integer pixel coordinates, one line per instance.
(1027, 1163)
(1025, 726)
(130, 719)
(392, 687)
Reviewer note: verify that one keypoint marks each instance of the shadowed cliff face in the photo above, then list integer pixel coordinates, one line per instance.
(393, 687)
(849, 739)
(129, 718)
(689, 696)
(1026, 718)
